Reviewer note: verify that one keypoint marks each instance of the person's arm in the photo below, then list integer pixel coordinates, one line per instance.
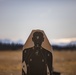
(23, 73)
(50, 62)
(24, 55)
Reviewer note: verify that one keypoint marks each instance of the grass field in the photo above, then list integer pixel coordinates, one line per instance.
(63, 62)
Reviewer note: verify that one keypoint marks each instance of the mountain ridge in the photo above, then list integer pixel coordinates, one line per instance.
(9, 41)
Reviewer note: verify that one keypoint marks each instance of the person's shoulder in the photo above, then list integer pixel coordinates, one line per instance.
(46, 51)
(27, 49)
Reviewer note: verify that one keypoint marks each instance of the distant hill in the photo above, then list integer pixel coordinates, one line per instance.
(65, 46)
(7, 44)
(8, 41)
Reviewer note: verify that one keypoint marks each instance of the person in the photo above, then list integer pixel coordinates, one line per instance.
(38, 60)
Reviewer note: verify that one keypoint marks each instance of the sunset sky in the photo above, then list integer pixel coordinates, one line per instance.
(56, 17)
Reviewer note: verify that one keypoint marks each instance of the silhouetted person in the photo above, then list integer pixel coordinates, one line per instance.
(38, 60)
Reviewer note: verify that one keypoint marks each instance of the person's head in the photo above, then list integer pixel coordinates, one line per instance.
(38, 38)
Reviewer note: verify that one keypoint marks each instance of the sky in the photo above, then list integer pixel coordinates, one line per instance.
(57, 18)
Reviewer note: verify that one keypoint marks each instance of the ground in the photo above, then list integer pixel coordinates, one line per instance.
(63, 62)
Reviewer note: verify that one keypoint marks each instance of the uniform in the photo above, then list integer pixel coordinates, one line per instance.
(37, 60)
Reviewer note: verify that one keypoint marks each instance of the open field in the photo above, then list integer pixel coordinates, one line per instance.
(64, 62)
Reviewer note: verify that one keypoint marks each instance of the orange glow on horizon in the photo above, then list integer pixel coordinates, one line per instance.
(64, 40)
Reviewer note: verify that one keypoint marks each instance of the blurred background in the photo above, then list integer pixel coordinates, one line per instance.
(57, 18)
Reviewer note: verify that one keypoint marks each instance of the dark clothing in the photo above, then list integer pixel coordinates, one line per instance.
(37, 61)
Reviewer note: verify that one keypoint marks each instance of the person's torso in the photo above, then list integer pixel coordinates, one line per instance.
(36, 63)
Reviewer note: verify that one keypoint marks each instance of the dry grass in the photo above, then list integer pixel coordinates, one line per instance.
(10, 62)
(64, 62)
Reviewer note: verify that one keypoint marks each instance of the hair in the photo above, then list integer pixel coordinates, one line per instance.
(37, 33)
